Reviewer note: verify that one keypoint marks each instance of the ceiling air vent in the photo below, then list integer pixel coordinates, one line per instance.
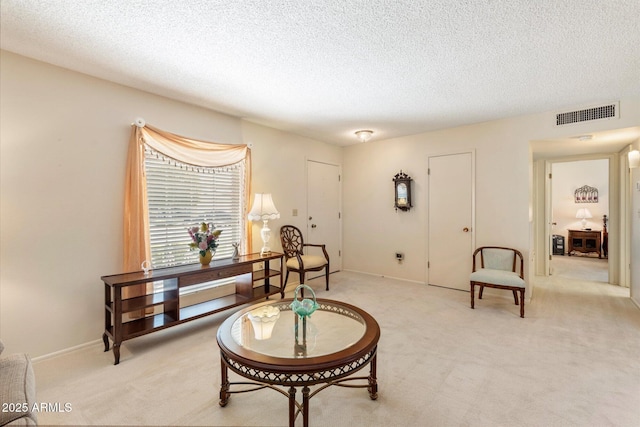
(595, 113)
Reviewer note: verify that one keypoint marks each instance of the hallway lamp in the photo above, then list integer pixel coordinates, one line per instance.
(583, 213)
(263, 210)
(634, 159)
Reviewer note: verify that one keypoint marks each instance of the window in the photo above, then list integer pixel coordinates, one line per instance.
(182, 196)
(165, 194)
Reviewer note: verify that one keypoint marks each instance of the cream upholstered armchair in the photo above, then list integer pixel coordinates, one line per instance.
(498, 270)
(17, 390)
(296, 260)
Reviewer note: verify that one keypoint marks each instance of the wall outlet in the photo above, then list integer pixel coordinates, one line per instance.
(295, 212)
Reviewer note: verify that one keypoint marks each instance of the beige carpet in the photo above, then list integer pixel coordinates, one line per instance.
(572, 361)
(585, 267)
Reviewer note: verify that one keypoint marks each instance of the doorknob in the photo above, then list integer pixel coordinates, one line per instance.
(466, 229)
(313, 226)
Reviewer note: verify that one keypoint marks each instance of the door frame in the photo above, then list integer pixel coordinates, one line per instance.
(334, 266)
(471, 151)
(615, 227)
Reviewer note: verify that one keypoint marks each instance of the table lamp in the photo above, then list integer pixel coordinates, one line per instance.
(583, 213)
(263, 210)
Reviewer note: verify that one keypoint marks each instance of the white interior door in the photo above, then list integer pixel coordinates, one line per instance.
(451, 218)
(323, 208)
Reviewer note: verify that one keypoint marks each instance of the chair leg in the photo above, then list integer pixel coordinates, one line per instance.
(286, 277)
(521, 302)
(327, 275)
(515, 296)
(473, 291)
(480, 292)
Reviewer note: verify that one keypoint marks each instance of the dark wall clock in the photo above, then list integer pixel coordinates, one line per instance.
(402, 188)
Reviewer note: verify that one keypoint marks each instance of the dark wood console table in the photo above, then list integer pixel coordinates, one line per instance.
(585, 241)
(165, 304)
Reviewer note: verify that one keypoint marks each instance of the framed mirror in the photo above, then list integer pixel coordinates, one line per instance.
(402, 188)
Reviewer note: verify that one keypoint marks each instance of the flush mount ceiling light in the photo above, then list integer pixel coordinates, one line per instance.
(364, 135)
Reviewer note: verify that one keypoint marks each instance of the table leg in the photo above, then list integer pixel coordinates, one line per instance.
(292, 406)
(224, 384)
(373, 381)
(117, 324)
(105, 339)
(266, 273)
(116, 353)
(305, 406)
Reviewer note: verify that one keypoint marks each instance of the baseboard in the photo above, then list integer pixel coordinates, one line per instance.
(67, 351)
(419, 282)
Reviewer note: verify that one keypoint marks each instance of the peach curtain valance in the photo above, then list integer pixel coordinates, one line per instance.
(192, 151)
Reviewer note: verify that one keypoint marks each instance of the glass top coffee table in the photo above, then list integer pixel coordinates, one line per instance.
(272, 346)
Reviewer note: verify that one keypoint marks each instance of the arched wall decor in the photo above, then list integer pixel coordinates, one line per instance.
(586, 194)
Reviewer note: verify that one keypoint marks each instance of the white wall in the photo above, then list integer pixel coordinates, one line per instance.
(373, 230)
(279, 164)
(569, 176)
(63, 146)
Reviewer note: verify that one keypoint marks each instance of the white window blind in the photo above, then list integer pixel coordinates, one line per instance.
(181, 196)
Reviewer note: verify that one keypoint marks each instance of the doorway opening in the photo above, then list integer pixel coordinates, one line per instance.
(611, 145)
(579, 219)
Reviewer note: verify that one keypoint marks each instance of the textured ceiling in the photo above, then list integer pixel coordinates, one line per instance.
(326, 68)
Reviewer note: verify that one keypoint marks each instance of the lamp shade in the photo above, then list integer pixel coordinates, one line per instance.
(263, 208)
(583, 213)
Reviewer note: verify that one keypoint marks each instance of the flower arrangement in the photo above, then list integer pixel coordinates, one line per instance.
(205, 238)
